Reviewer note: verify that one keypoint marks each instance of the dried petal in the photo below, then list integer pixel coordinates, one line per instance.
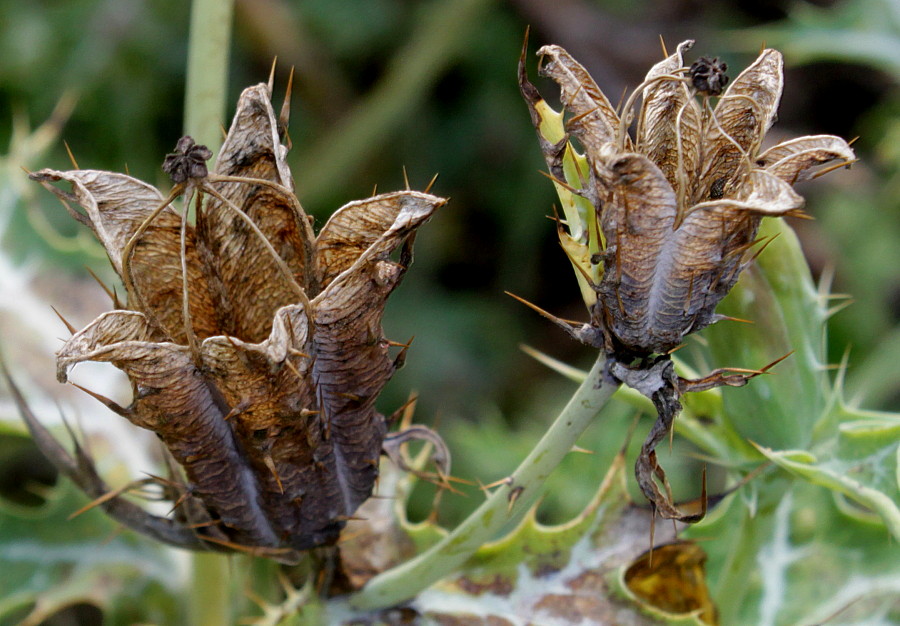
(798, 159)
(637, 224)
(173, 400)
(594, 121)
(116, 206)
(243, 270)
(669, 124)
(738, 124)
(358, 225)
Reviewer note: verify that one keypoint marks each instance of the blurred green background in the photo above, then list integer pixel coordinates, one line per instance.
(430, 85)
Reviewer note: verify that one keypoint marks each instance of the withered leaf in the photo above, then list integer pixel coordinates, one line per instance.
(672, 578)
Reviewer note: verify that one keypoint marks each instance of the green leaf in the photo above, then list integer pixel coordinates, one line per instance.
(49, 562)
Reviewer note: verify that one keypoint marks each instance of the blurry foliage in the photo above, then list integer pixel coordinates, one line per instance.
(463, 118)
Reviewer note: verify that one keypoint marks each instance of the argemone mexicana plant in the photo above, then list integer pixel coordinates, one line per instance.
(660, 225)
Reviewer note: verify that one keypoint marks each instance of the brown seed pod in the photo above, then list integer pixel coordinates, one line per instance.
(676, 212)
(254, 347)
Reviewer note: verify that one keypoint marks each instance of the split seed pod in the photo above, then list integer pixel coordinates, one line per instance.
(659, 226)
(254, 348)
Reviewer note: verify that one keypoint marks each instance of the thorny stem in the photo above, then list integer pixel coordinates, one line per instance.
(501, 507)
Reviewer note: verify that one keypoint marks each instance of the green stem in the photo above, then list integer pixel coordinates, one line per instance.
(432, 47)
(207, 71)
(501, 507)
(210, 596)
(204, 113)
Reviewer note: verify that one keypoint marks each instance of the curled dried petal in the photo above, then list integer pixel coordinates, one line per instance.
(669, 124)
(116, 206)
(594, 121)
(735, 129)
(799, 159)
(241, 266)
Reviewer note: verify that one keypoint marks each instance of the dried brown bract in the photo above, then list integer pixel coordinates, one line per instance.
(254, 348)
(673, 211)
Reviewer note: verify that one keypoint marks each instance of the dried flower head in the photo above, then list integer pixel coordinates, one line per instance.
(659, 226)
(254, 348)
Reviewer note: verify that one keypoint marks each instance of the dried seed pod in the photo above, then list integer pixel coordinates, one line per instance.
(254, 348)
(675, 211)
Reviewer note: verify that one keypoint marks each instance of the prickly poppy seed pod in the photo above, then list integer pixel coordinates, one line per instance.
(659, 225)
(254, 347)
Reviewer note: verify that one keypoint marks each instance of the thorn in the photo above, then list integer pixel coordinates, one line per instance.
(72, 329)
(405, 178)
(397, 344)
(267, 459)
(777, 361)
(254, 551)
(181, 498)
(351, 518)
(285, 115)
(400, 412)
(431, 183)
(541, 311)
(375, 190)
(837, 308)
(127, 171)
(295, 352)
(676, 348)
(308, 412)
(561, 183)
(271, 84)
(662, 42)
(763, 247)
(728, 318)
(853, 141)
(109, 293)
(110, 404)
(109, 495)
(291, 367)
(71, 156)
(513, 496)
(503, 481)
(581, 450)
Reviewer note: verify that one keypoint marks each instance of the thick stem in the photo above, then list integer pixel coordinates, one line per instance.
(507, 503)
(207, 71)
(210, 598)
(204, 114)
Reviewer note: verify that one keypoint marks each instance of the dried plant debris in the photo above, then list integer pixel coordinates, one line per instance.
(254, 348)
(659, 225)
